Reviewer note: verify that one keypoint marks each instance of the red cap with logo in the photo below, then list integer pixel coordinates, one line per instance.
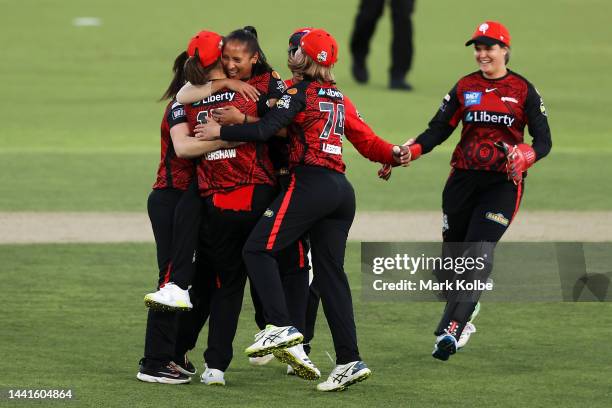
(319, 45)
(208, 45)
(490, 33)
(296, 36)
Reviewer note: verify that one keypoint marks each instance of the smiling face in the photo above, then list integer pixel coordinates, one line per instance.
(491, 59)
(237, 60)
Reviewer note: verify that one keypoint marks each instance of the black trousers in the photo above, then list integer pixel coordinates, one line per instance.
(312, 309)
(294, 273)
(478, 209)
(401, 46)
(320, 202)
(174, 216)
(230, 230)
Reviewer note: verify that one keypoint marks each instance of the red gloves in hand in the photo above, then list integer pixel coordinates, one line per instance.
(518, 159)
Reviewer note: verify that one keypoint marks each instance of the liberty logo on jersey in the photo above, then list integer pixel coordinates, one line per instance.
(330, 93)
(220, 97)
(488, 117)
(472, 98)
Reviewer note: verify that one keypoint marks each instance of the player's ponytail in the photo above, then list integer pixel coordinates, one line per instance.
(178, 80)
(248, 36)
(197, 74)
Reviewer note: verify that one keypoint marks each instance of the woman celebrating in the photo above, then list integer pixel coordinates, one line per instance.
(319, 201)
(489, 164)
(174, 211)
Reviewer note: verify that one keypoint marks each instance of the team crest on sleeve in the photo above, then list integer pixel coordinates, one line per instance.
(284, 102)
(444, 103)
(178, 113)
(291, 91)
(472, 98)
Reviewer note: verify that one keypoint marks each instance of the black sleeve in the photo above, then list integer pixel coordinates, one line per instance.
(279, 117)
(176, 115)
(442, 124)
(276, 87)
(537, 121)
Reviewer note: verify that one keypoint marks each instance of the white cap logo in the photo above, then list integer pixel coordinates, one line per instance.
(483, 27)
(322, 57)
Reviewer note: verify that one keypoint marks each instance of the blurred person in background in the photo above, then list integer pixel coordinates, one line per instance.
(401, 45)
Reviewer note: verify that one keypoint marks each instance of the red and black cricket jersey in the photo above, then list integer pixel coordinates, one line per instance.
(317, 117)
(172, 172)
(226, 169)
(490, 110)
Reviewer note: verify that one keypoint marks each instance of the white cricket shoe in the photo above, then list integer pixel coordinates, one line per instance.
(259, 361)
(465, 335)
(169, 297)
(273, 338)
(212, 376)
(344, 375)
(297, 358)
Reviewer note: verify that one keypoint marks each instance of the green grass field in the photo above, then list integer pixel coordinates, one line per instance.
(77, 320)
(81, 128)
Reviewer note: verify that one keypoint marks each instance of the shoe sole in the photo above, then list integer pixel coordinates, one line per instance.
(444, 349)
(269, 350)
(259, 363)
(359, 378)
(161, 380)
(300, 370)
(216, 384)
(154, 305)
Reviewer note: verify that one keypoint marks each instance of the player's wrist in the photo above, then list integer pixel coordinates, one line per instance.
(416, 150)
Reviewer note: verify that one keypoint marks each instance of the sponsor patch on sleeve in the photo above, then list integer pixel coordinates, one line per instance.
(291, 91)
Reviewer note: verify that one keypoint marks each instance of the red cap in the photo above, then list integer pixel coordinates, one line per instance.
(319, 45)
(208, 45)
(490, 33)
(296, 36)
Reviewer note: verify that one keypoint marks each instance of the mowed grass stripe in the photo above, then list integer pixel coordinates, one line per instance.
(77, 320)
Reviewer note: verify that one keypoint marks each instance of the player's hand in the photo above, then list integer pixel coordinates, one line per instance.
(518, 159)
(228, 115)
(207, 131)
(403, 153)
(248, 91)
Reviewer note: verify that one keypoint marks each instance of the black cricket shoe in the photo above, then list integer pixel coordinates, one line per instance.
(360, 72)
(184, 365)
(164, 374)
(446, 346)
(399, 84)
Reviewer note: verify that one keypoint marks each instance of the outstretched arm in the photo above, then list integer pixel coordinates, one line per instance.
(367, 143)
(190, 93)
